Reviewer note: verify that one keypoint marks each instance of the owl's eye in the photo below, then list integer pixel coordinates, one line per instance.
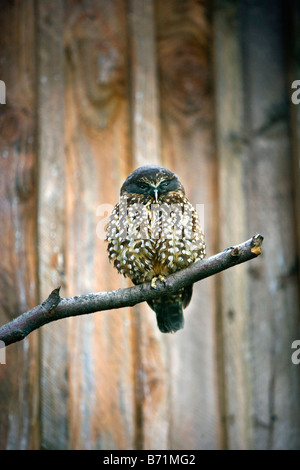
(164, 184)
(142, 185)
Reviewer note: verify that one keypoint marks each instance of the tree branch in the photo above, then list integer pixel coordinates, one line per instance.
(56, 308)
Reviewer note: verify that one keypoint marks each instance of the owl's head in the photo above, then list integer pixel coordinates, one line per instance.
(151, 180)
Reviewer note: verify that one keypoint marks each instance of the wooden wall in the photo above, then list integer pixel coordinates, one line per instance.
(96, 88)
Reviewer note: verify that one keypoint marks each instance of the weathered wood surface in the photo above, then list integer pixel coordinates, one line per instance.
(144, 90)
(51, 218)
(101, 398)
(185, 75)
(94, 89)
(152, 358)
(259, 303)
(268, 185)
(233, 311)
(294, 74)
(19, 386)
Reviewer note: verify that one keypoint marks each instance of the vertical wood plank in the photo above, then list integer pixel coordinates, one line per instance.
(19, 385)
(293, 31)
(101, 369)
(51, 219)
(185, 68)
(270, 208)
(144, 84)
(258, 303)
(152, 355)
(266, 381)
(234, 313)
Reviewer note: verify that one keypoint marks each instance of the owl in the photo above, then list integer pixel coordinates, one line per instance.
(153, 232)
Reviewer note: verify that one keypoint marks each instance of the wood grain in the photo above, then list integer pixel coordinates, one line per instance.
(275, 305)
(101, 400)
(19, 384)
(255, 183)
(233, 314)
(293, 21)
(94, 89)
(184, 58)
(51, 218)
(151, 353)
(144, 83)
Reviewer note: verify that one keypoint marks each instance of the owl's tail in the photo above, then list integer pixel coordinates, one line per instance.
(169, 316)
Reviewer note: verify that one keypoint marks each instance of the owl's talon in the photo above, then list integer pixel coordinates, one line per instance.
(155, 279)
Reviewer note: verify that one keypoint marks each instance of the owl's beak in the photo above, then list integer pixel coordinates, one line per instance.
(156, 195)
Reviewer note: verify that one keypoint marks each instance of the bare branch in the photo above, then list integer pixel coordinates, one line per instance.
(55, 308)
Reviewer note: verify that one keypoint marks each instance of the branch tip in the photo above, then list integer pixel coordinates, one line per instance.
(256, 244)
(55, 307)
